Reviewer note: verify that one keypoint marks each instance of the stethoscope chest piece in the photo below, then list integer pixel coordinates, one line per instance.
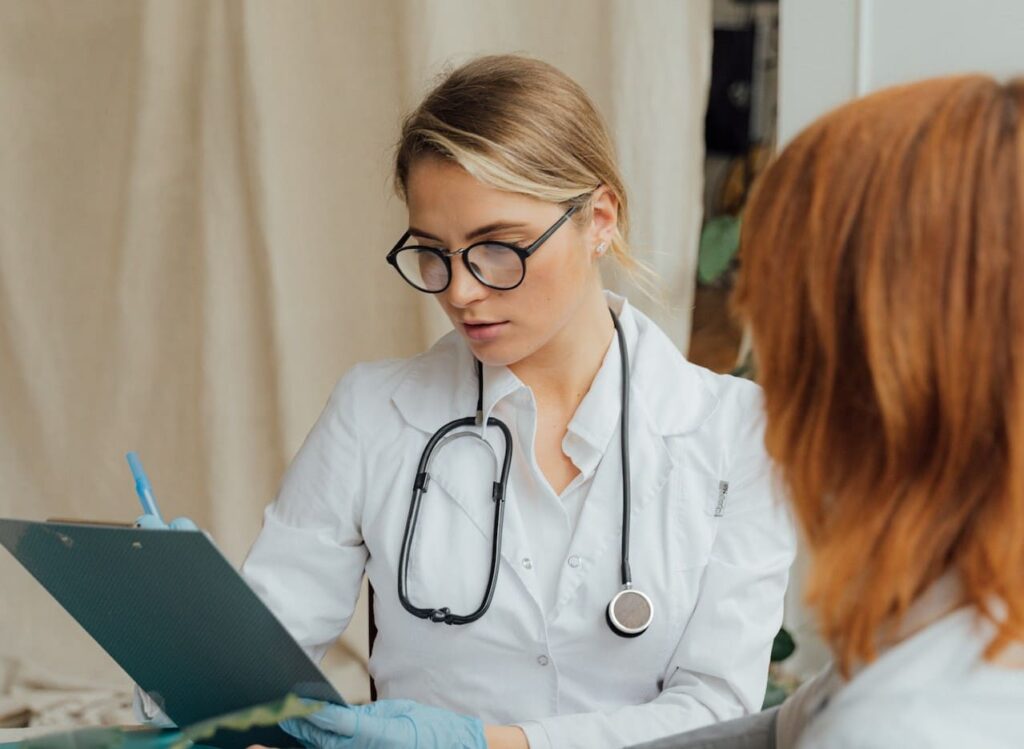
(630, 613)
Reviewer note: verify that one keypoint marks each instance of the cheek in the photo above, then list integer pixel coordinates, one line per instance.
(539, 307)
(548, 296)
(555, 281)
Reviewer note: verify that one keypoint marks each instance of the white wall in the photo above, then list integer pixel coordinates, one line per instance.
(831, 51)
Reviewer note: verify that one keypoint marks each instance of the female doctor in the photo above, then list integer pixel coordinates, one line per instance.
(570, 530)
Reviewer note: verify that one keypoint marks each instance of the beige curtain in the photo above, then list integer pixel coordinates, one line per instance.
(194, 206)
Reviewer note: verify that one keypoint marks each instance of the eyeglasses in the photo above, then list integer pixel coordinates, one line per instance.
(497, 265)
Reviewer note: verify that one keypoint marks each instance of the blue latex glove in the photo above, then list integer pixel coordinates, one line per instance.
(178, 524)
(386, 724)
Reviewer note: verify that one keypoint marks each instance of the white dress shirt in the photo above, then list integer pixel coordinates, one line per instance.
(713, 560)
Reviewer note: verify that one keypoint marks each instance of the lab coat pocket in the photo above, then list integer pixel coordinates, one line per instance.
(705, 491)
(700, 480)
(694, 516)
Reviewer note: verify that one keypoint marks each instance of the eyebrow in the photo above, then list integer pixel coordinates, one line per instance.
(476, 233)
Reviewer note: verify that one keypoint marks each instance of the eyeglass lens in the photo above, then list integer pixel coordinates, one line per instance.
(492, 264)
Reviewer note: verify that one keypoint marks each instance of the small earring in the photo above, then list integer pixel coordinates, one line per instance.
(600, 249)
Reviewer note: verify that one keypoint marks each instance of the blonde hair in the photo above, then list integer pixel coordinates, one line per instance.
(523, 126)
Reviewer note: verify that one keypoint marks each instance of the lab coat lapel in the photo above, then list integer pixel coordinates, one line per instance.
(668, 397)
(437, 389)
(427, 406)
(434, 389)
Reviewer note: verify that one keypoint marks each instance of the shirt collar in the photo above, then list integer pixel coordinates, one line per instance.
(597, 417)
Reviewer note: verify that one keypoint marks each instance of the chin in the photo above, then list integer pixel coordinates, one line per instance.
(496, 353)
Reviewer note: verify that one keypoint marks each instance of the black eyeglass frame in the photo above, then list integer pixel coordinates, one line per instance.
(446, 256)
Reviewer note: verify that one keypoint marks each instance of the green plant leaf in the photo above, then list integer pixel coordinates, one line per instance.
(719, 243)
(773, 695)
(783, 646)
(746, 368)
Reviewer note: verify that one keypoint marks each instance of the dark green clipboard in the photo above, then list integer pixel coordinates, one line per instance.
(175, 615)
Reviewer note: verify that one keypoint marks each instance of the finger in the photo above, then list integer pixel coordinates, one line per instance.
(337, 719)
(314, 737)
(320, 707)
(151, 522)
(308, 735)
(389, 708)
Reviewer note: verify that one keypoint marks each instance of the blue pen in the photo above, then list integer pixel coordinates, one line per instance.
(142, 487)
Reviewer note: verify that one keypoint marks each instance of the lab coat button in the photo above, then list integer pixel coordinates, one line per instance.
(542, 660)
(574, 561)
(527, 563)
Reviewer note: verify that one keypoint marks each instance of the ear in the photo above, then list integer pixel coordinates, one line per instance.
(605, 217)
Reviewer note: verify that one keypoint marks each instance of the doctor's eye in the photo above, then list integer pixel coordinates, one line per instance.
(423, 267)
(497, 265)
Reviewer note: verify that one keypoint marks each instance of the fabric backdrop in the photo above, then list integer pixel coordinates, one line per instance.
(195, 203)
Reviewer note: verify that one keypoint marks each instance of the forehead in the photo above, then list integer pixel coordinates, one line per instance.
(442, 196)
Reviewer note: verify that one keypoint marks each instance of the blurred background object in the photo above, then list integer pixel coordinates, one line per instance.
(739, 136)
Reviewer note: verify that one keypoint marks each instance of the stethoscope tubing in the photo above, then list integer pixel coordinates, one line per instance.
(421, 485)
(627, 574)
(420, 488)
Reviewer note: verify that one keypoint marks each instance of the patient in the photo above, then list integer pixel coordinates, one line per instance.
(883, 281)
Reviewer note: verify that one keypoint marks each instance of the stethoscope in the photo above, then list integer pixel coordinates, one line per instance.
(629, 613)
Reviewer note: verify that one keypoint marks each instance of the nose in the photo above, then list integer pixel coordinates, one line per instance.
(464, 290)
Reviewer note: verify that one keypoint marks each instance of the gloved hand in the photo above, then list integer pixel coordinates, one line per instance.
(386, 724)
(178, 524)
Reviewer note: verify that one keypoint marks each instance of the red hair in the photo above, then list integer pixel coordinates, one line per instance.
(883, 279)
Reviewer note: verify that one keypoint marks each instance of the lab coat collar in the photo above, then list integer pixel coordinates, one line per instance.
(666, 390)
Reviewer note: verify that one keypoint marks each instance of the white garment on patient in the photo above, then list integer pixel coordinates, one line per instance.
(932, 690)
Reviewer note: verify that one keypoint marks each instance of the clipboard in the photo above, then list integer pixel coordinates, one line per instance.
(175, 615)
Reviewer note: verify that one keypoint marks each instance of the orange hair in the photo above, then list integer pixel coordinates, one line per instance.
(883, 280)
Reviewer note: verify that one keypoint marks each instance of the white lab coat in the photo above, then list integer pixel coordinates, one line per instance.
(715, 565)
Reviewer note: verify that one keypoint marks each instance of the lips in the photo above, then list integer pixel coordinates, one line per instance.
(483, 331)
